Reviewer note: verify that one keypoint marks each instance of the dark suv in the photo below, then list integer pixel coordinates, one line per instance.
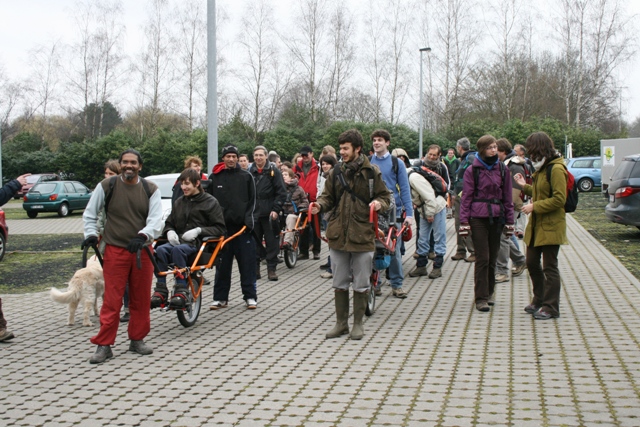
(624, 193)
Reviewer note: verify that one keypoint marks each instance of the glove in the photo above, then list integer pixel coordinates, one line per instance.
(508, 230)
(172, 236)
(464, 230)
(137, 243)
(89, 242)
(190, 236)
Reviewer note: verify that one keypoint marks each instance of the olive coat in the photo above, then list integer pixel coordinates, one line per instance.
(547, 224)
(348, 226)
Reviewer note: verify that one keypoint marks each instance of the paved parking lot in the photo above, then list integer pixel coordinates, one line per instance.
(428, 360)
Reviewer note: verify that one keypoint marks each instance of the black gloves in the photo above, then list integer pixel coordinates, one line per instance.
(137, 243)
(89, 242)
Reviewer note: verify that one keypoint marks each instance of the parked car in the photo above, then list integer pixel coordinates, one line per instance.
(4, 232)
(165, 184)
(63, 197)
(624, 193)
(33, 180)
(587, 172)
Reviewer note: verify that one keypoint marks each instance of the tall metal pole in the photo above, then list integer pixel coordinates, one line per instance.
(424, 49)
(212, 88)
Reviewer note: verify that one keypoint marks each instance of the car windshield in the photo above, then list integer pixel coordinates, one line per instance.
(44, 188)
(32, 179)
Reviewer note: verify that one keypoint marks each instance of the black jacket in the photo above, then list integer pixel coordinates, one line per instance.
(7, 192)
(201, 210)
(270, 190)
(236, 192)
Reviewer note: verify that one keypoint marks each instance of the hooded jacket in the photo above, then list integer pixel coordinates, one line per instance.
(547, 223)
(491, 186)
(270, 190)
(348, 227)
(295, 196)
(236, 192)
(201, 210)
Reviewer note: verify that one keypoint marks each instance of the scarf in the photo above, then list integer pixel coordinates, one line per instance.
(350, 168)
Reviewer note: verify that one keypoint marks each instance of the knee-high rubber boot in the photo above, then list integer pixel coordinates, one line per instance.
(360, 300)
(342, 315)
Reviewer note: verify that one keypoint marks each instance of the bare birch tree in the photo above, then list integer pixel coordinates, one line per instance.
(341, 32)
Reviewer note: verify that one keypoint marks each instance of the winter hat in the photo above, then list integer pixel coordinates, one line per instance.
(229, 149)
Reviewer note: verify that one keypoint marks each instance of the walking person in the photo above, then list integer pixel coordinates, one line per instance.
(133, 220)
(486, 211)
(547, 227)
(6, 193)
(394, 174)
(270, 196)
(465, 242)
(235, 190)
(308, 170)
(350, 190)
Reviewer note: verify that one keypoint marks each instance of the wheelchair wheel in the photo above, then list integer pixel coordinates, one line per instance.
(291, 257)
(189, 315)
(371, 302)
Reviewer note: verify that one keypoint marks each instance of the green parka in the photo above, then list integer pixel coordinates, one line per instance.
(547, 224)
(348, 226)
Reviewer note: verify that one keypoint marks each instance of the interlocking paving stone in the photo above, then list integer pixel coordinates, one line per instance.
(428, 360)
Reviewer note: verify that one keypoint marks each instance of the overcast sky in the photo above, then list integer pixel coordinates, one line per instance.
(29, 23)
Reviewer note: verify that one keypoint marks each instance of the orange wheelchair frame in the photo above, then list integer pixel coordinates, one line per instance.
(290, 253)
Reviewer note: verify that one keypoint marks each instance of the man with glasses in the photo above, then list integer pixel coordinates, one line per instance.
(307, 170)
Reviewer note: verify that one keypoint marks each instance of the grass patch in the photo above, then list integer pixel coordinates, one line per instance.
(19, 213)
(622, 241)
(35, 263)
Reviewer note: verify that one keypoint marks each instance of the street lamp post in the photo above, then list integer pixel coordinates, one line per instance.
(424, 49)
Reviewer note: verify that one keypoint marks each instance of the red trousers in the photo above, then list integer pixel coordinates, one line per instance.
(119, 269)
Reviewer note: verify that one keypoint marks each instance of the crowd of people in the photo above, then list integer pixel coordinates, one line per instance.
(492, 193)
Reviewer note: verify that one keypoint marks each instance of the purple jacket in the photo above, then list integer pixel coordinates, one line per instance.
(490, 186)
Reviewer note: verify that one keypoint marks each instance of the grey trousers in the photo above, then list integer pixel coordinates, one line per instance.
(351, 268)
(508, 250)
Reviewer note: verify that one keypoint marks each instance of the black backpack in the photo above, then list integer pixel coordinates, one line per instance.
(571, 203)
(436, 180)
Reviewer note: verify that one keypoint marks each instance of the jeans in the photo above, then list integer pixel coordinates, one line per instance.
(439, 227)
(178, 255)
(508, 250)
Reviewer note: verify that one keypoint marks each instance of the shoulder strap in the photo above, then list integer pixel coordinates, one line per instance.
(549, 179)
(112, 183)
(340, 177)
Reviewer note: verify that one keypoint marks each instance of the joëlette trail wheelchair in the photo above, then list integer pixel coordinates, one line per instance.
(291, 251)
(386, 237)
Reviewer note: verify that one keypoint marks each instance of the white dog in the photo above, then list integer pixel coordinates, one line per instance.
(86, 285)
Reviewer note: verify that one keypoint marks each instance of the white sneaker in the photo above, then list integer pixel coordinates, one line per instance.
(326, 275)
(251, 304)
(217, 305)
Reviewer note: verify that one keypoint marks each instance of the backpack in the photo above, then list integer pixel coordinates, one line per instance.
(394, 166)
(527, 175)
(437, 182)
(571, 203)
(489, 202)
(112, 183)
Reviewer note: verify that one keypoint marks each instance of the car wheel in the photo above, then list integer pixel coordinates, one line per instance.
(585, 185)
(63, 210)
(32, 214)
(3, 242)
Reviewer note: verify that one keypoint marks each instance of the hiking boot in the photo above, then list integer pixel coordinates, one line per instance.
(342, 315)
(518, 269)
(125, 317)
(435, 273)
(399, 293)
(325, 266)
(542, 314)
(103, 352)
(471, 258)
(251, 304)
(419, 271)
(5, 335)
(501, 278)
(273, 276)
(492, 300)
(316, 256)
(360, 300)
(458, 256)
(483, 306)
(327, 275)
(531, 308)
(378, 290)
(159, 296)
(218, 305)
(303, 256)
(140, 347)
(180, 298)
(432, 255)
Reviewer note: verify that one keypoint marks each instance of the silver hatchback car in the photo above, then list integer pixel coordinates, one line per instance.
(624, 193)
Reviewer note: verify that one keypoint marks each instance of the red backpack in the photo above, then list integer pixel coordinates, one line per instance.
(571, 203)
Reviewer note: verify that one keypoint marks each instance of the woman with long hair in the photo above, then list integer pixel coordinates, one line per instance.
(486, 209)
(547, 226)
